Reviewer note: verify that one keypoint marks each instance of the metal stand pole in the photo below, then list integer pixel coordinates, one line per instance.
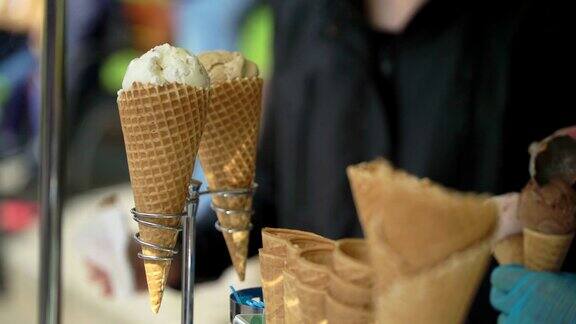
(52, 161)
(189, 252)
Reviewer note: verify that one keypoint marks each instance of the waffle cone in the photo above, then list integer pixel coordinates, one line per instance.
(276, 240)
(313, 266)
(297, 245)
(439, 294)
(279, 242)
(162, 127)
(545, 252)
(271, 270)
(351, 262)
(510, 250)
(420, 223)
(352, 277)
(348, 293)
(292, 311)
(340, 313)
(312, 276)
(312, 303)
(228, 156)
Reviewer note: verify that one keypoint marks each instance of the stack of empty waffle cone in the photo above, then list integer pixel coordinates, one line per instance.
(312, 274)
(278, 281)
(349, 298)
(162, 127)
(228, 148)
(429, 244)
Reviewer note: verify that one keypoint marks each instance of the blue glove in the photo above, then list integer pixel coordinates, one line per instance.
(528, 297)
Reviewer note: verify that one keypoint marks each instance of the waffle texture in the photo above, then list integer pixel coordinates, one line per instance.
(271, 272)
(421, 222)
(279, 245)
(228, 156)
(429, 246)
(351, 279)
(510, 250)
(545, 252)
(162, 128)
(312, 274)
(436, 295)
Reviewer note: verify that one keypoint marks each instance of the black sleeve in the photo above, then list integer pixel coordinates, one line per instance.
(541, 96)
(542, 89)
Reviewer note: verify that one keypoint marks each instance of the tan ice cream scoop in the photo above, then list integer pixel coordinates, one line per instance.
(225, 66)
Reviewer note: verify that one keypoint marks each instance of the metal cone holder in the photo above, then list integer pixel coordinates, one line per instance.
(187, 226)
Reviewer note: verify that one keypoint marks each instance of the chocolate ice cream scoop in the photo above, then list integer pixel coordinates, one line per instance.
(554, 157)
(550, 208)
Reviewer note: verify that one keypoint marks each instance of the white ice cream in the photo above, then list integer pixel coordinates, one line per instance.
(166, 64)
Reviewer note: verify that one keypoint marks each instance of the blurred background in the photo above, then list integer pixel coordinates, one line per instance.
(103, 36)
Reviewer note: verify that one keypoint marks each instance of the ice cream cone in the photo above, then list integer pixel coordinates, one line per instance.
(271, 269)
(280, 242)
(228, 156)
(349, 293)
(545, 252)
(275, 240)
(420, 222)
(351, 262)
(439, 294)
(162, 127)
(340, 313)
(292, 311)
(510, 250)
(312, 303)
(352, 277)
(312, 274)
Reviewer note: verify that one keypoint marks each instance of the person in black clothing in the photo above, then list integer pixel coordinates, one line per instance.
(450, 90)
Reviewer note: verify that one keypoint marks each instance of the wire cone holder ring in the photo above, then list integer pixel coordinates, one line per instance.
(145, 219)
(192, 202)
(228, 193)
(187, 225)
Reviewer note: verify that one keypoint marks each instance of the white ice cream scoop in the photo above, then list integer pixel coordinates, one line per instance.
(166, 64)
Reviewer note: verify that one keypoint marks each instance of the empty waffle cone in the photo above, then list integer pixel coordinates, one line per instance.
(271, 271)
(297, 245)
(545, 252)
(228, 156)
(340, 313)
(352, 277)
(439, 294)
(348, 293)
(162, 127)
(292, 311)
(420, 222)
(351, 262)
(510, 250)
(312, 274)
(276, 240)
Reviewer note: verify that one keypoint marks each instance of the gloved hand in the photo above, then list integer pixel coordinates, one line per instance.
(528, 297)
